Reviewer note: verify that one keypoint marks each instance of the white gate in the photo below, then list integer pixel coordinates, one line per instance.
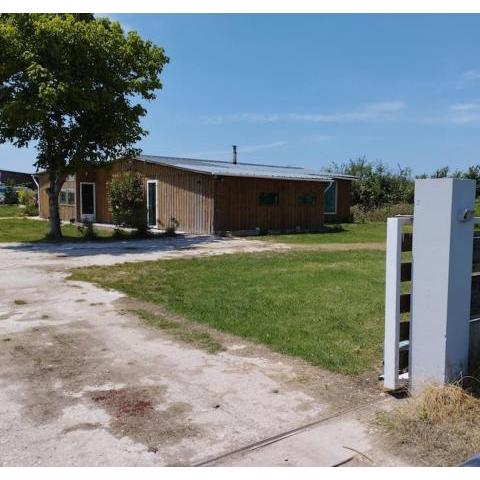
(427, 326)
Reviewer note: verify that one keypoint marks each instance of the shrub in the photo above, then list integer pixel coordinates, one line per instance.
(23, 195)
(126, 199)
(377, 185)
(171, 228)
(380, 214)
(28, 199)
(86, 229)
(10, 193)
(31, 209)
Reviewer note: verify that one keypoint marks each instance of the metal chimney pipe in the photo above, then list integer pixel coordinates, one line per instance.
(234, 161)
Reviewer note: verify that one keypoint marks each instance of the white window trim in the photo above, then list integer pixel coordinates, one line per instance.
(156, 200)
(89, 216)
(333, 182)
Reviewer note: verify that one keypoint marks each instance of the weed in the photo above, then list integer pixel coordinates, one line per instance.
(439, 427)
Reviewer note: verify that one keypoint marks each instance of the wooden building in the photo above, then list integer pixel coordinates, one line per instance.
(207, 196)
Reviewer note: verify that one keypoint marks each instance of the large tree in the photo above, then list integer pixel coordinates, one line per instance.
(72, 83)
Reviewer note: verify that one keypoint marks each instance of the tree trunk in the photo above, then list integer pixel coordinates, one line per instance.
(54, 210)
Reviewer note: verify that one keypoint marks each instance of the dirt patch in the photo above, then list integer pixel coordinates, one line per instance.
(56, 369)
(53, 365)
(138, 413)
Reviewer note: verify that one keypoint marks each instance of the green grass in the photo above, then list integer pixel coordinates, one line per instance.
(33, 230)
(325, 307)
(11, 211)
(341, 233)
(180, 331)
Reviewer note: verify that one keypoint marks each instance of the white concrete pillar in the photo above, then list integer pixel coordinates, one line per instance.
(441, 280)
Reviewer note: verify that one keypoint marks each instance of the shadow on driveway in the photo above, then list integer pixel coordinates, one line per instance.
(116, 247)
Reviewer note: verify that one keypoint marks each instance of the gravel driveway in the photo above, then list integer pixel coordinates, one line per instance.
(84, 382)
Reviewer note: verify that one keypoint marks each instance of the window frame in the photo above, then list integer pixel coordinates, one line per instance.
(334, 212)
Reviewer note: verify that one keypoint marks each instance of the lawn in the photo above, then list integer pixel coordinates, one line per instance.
(325, 307)
(34, 230)
(11, 211)
(341, 233)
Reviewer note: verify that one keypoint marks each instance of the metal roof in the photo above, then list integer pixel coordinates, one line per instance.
(221, 168)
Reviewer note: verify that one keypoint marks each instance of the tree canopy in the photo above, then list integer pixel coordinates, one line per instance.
(72, 83)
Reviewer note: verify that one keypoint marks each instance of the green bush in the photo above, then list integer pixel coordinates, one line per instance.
(380, 214)
(377, 185)
(126, 199)
(31, 209)
(10, 193)
(27, 197)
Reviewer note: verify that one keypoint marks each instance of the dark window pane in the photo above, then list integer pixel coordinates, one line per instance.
(268, 199)
(87, 199)
(63, 196)
(307, 200)
(71, 197)
(330, 199)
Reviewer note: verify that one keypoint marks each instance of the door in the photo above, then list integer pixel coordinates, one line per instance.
(87, 201)
(152, 203)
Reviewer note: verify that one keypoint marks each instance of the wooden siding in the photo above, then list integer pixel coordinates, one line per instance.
(343, 203)
(207, 204)
(237, 205)
(67, 212)
(186, 196)
(43, 195)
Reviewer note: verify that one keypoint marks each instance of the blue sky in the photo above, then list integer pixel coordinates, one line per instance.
(312, 89)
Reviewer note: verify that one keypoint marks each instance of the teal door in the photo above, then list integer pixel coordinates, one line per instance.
(152, 203)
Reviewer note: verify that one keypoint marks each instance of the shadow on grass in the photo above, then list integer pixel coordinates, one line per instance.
(335, 228)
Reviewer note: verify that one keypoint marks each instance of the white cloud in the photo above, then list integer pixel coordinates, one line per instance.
(465, 107)
(464, 113)
(470, 75)
(318, 137)
(370, 112)
(458, 114)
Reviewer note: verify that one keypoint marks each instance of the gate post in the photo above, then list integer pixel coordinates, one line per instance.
(441, 280)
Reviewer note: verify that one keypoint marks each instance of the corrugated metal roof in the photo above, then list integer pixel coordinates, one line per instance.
(216, 167)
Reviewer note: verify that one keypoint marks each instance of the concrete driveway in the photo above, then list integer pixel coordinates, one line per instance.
(84, 382)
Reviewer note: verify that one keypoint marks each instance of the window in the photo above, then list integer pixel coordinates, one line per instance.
(307, 200)
(330, 198)
(67, 196)
(268, 199)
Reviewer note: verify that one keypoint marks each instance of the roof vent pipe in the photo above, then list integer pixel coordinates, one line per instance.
(234, 161)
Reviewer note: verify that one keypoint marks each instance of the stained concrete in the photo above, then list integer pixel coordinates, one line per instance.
(85, 383)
